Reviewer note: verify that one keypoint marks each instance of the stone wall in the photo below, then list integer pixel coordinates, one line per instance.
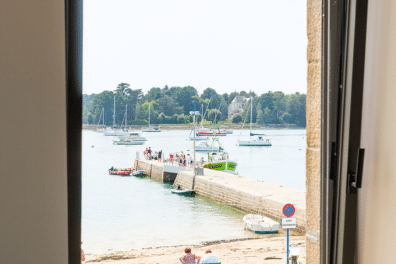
(248, 202)
(314, 31)
(152, 171)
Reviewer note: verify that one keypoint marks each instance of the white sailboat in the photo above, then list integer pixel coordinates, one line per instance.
(259, 141)
(101, 117)
(154, 129)
(114, 132)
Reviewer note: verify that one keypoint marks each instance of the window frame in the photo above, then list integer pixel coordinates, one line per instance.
(334, 25)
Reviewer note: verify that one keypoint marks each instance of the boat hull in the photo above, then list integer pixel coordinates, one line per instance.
(260, 224)
(225, 166)
(128, 142)
(184, 192)
(138, 173)
(254, 143)
(121, 173)
(211, 134)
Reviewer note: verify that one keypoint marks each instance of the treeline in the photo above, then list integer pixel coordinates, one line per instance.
(171, 105)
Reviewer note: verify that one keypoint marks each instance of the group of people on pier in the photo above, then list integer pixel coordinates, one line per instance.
(179, 158)
(149, 155)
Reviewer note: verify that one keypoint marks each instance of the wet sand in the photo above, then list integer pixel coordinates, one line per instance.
(271, 249)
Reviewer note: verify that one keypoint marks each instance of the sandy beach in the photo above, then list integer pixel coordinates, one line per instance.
(270, 249)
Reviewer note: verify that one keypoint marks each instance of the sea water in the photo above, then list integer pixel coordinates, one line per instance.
(126, 213)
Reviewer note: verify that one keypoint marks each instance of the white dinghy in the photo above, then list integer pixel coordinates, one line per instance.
(260, 224)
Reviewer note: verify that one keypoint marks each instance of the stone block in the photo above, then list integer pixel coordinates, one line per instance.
(313, 107)
(314, 30)
(313, 189)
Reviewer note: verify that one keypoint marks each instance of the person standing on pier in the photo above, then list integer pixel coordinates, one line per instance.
(159, 155)
(146, 154)
(149, 153)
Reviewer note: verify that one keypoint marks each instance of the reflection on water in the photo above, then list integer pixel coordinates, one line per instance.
(124, 213)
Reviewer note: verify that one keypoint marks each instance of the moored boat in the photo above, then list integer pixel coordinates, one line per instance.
(206, 147)
(120, 171)
(212, 133)
(138, 173)
(260, 224)
(220, 161)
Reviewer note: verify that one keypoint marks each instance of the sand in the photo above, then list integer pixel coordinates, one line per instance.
(270, 249)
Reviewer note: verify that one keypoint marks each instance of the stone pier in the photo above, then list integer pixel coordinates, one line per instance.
(245, 194)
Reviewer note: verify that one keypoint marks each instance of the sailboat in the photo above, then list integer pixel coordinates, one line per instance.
(113, 132)
(101, 117)
(154, 129)
(259, 141)
(131, 139)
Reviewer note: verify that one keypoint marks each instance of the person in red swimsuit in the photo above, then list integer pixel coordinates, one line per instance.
(189, 257)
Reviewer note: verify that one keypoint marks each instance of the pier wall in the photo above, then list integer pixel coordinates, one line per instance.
(245, 194)
(152, 170)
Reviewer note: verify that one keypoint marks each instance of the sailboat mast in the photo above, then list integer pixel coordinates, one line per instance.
(114, 113)
(202, 117)
(149, 114)
(126, 115)
(103, 117)
(251, 113)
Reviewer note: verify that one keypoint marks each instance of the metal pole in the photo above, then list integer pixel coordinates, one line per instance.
(194, 152)
(288, 246)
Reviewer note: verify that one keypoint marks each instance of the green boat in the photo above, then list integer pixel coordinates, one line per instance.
(220, 161)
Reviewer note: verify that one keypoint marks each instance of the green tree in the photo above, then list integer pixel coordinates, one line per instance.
(167, 105)
(184, 98)
(180, 119)
(214, 114)
(122, 87)
(236, 119)
(161, 118)
(153, 94)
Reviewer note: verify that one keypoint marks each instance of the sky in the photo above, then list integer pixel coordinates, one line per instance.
(227, 45)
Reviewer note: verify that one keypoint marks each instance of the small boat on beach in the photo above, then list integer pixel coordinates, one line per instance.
(260, 224)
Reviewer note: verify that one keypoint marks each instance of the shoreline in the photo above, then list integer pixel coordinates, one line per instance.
(189, 126)
(246, 250)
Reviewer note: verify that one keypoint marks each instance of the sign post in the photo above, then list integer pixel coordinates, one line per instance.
(288, 222)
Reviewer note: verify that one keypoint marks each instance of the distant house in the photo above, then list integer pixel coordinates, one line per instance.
(236, 106)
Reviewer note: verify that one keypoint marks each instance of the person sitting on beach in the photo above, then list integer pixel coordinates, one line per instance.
(209, 257)
(189, 257)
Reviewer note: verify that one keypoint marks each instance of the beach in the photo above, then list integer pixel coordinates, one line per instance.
(270, 249)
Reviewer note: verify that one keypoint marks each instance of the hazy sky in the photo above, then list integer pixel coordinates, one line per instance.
(228, 45)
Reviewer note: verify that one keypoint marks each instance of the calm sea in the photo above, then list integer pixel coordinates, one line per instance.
(124, 213)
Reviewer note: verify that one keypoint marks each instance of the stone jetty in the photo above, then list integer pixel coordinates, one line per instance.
(245, 194)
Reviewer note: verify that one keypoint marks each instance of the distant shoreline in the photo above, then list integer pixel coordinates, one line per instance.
(189, 126)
